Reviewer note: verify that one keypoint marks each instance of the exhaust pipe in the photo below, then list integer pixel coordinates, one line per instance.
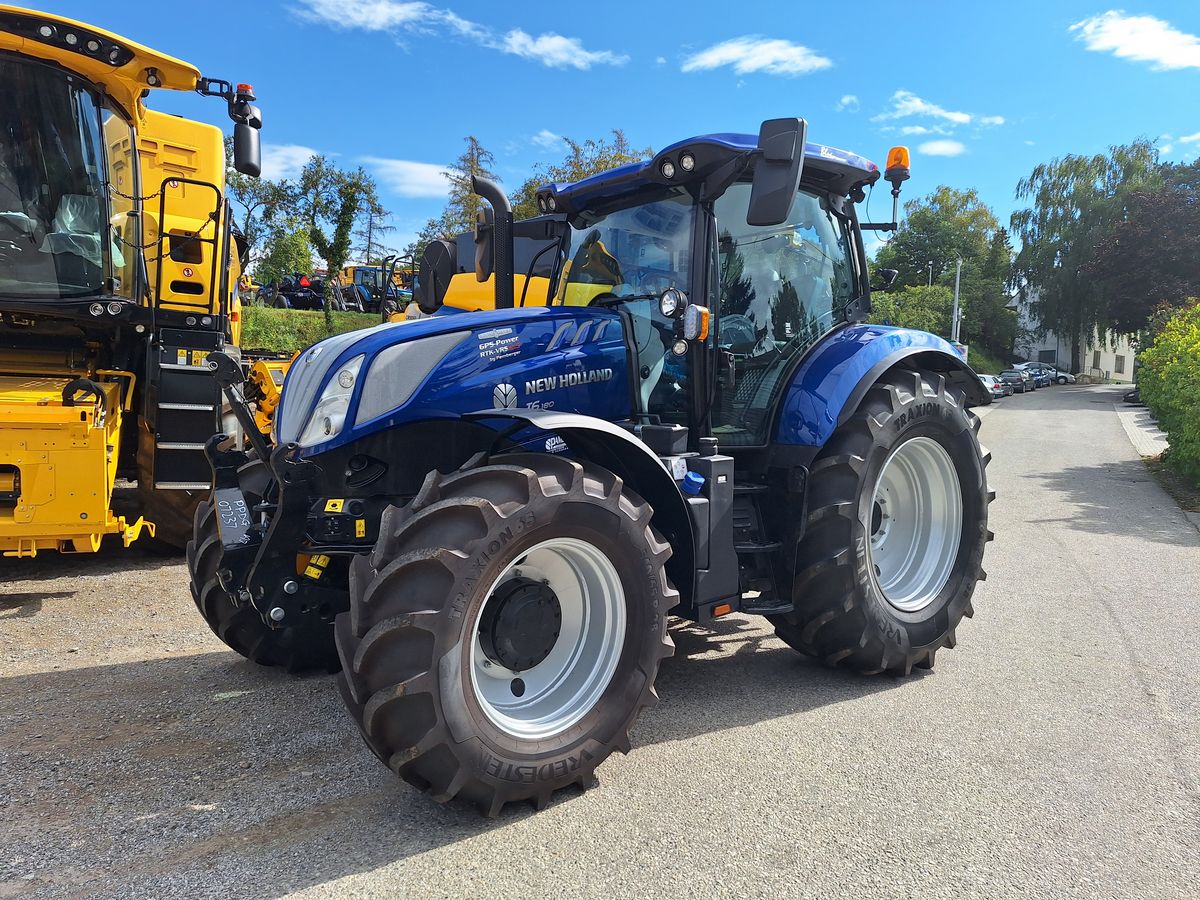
(502, 238)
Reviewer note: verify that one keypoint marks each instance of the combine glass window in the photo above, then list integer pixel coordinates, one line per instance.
(781, 288)
(53, 208)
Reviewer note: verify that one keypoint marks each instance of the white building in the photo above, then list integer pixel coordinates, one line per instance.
(1110, 357)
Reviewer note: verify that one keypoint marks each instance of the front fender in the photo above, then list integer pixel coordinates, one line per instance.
(617, 450)
(838, 372)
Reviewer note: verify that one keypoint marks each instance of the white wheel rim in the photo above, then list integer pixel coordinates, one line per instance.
(916, 523)
(567, 684)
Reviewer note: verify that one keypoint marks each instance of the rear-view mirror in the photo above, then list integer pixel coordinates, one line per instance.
(777, 170)
(484, 254)
(438, 265)
(247, 152)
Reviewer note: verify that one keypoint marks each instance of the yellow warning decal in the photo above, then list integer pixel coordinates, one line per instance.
(332, 506)
(360, 527)
(181, 357)
(321, 560)
(312, 572)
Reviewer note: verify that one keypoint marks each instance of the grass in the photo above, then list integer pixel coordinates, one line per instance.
(984, 364)
(289, 330)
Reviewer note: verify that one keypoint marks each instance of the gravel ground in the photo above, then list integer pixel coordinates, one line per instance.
(1053, 753)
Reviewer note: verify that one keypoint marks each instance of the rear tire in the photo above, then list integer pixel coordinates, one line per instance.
(298, 648)
(427, 664)
(894, 539)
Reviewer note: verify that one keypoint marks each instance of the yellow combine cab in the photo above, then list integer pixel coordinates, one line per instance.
(118, 273)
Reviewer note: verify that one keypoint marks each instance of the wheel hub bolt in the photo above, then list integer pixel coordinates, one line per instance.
(277, 614)
(290, 587)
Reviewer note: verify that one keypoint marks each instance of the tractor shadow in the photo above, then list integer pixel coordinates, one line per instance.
(206, 763)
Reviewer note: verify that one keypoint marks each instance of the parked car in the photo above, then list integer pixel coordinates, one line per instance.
(1041, 377)
(996, 388)
(1051, 373)
(1020, 380)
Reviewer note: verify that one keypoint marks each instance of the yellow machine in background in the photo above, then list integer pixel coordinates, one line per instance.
(118, 274)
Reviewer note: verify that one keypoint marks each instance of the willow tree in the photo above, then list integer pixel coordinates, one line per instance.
(1076, 202)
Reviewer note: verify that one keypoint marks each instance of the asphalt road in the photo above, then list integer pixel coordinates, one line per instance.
(1053, 753)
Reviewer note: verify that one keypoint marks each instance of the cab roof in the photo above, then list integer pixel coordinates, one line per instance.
(826, 167)
(122, 66)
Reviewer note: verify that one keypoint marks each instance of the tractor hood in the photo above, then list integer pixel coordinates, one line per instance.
(352, 385)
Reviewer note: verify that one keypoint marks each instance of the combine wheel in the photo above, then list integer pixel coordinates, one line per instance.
(897, 524)
(305, 646)
(507, 629)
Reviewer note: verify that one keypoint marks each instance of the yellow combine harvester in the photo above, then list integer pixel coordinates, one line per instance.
(118, 276)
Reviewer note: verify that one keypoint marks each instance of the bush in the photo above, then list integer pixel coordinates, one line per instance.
(289, 330)
(1169, 381)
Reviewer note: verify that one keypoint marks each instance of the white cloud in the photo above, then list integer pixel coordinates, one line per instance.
(1166, 148)
(1190, 138)
(1139, 38)
(284, 160)
(906, 104)
(753, 53)
(660, 60)
(915, 129)
(942, 148)
(369, 15)
(547, 139)
(410, 179)
(550, 49)
(1029, 143)
(556, 51)
(991, 120)
(848, 103)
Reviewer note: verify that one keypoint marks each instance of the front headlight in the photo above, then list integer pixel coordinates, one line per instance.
(329, 415)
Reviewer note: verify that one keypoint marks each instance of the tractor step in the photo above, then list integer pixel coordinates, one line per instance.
(185, 401)
(767, 607)
(767, 547)
(748, 488)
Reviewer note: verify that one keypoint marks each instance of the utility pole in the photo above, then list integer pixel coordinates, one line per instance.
(954, 314)
(930, 282)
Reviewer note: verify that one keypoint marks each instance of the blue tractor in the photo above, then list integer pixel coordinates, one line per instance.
(484, 519)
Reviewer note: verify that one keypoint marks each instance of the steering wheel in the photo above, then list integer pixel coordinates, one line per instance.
(738, 334)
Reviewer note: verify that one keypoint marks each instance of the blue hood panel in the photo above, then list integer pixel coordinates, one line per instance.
(568, 359)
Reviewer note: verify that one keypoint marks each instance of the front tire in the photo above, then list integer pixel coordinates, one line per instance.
(894, 539)
(507, 629)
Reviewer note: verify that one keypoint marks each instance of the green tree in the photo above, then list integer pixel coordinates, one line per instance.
(925, 308)
(260, 201)
(940, 228)
(1075, 202)
(464, 205)
(287, 249)
(352, 192)
(584, 158)
(1152, 257)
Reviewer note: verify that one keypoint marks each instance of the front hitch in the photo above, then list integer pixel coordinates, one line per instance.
(229, 376)
(278, 593)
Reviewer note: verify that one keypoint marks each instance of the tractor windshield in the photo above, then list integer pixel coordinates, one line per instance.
(781, 288)
(53, 207)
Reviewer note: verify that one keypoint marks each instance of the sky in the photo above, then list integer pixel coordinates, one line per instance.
(981, 93)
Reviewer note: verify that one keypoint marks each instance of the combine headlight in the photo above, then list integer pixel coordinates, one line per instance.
(329, 415)
(46, 31)
(96, 309)
(71, 38)
(687, 162)
(114, 308)
(667, 168)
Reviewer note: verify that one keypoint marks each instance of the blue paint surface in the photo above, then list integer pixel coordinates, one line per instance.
(829, 376)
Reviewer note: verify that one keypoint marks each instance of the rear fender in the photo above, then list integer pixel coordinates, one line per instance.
(838, 372)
